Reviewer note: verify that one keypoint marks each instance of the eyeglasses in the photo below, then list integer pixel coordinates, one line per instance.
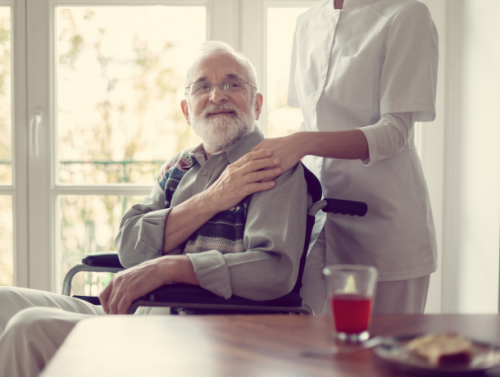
(201, 88)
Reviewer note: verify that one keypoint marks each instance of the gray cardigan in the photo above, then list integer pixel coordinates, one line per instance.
(274, 230)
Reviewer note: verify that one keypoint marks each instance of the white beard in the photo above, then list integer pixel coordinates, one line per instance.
(220, 131)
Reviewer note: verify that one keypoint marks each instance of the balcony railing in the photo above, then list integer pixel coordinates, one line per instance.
(124, 171)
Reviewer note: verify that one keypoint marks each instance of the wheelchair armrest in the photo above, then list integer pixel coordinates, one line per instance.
(104, 259)
(180, 293)
(338, 206)
(345, 207)
(97, 262)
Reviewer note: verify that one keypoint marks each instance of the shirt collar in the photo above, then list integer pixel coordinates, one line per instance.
(235, 151)
(352, 4)
(244, 145)
(199, 154)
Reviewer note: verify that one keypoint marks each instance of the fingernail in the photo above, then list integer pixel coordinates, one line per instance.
(268, 153)
(271, 184)
(276, 160)
(277, 171)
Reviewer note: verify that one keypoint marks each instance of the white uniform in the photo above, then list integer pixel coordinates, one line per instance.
(372, 66)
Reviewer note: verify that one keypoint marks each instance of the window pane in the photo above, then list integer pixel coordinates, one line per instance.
(5, 98)
(6, 241)
(282, 120)
(88, 224)
(120, 78)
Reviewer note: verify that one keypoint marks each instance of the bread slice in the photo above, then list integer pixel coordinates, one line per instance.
(442, 349)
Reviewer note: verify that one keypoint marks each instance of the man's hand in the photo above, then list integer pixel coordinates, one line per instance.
(242, 178)
(130, 284)
(288, 149)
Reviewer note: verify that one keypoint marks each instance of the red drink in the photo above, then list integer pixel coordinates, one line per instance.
(351, 312)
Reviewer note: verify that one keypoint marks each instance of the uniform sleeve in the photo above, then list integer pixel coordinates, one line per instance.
(388, 136)
(274, 240)
(142, 228)
(409, 72)
(293, 98)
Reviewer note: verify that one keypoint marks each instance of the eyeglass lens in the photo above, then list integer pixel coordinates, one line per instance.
(229, 85)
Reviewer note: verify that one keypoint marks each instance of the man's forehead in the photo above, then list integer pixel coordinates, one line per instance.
(221, 65)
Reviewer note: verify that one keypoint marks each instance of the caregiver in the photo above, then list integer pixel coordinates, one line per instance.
(363, 72)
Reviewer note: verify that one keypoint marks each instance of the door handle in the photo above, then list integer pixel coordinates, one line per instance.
(36, 124)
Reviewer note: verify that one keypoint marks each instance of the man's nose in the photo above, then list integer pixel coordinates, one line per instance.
(217, 95)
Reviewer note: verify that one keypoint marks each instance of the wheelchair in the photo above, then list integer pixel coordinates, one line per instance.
(190, 299)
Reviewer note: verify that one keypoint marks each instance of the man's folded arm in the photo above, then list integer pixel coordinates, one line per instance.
(274, 241)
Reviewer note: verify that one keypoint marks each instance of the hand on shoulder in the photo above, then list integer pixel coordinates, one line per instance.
(288, 149)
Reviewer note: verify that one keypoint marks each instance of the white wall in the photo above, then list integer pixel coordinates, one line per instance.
(472, 169)
(430, 138)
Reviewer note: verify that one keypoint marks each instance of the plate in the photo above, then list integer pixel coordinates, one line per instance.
(393, 349)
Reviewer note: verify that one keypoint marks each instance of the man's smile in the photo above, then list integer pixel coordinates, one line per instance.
(221, 112)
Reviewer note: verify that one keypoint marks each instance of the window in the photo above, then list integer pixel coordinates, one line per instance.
(118, 88)
(5, 97)
(103, 102)
(6, 241)
(282, 120)
(119, 78)
(6, 187)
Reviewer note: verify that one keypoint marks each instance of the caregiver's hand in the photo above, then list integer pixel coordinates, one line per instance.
(288, 149)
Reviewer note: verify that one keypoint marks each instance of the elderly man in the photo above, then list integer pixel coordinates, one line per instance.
(215, 218)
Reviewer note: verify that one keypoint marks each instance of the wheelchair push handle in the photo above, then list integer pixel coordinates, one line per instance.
(338, 206)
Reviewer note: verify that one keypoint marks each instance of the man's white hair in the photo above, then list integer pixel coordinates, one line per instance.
(212, 47)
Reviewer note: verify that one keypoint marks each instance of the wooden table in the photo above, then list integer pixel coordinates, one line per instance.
(219, 346)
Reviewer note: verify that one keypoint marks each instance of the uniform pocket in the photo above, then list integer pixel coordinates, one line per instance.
(354, 82)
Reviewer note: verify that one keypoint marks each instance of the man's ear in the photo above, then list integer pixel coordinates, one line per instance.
(258, 105)
(185, 110)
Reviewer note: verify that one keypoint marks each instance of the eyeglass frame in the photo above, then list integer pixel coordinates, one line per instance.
(219, 84)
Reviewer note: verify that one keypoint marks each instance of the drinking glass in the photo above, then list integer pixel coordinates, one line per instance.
(351, 291)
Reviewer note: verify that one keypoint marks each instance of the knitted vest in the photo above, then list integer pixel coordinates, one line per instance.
(223, 232)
